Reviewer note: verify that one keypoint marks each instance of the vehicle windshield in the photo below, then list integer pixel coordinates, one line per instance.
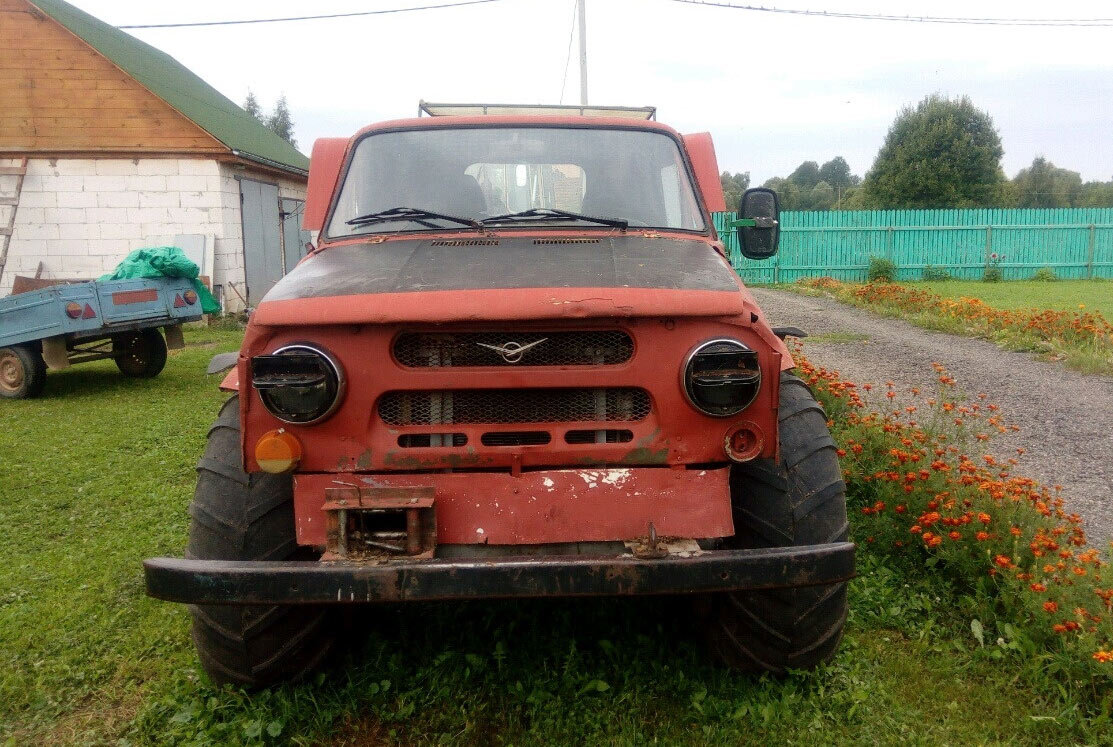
(554, 176)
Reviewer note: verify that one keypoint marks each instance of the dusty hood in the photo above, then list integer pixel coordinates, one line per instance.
(505, 278)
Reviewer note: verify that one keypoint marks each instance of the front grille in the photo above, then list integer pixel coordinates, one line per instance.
(426, 440)
(516, 438)
(599, 437)
(466, 349)
(514, 406)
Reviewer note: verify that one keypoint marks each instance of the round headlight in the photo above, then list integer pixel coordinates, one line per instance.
(721, 377)
(298, 384)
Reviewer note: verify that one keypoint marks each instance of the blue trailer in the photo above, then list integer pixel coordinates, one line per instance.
(62, 325)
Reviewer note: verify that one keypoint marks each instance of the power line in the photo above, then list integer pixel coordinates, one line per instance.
(386, 11)
(568, 55)
(1044, 22)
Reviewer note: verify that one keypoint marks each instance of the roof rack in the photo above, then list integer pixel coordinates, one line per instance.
(470, 110)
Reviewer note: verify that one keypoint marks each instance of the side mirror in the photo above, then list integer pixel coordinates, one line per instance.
(759, 223)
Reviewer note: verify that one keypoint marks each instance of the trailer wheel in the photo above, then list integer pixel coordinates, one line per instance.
(141, 354)
(241, 516)
(22, 372)
(800, 500)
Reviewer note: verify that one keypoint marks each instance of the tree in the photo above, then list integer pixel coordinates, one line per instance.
(821, 197)
(1096, 194)
(251, 106)
(280, 122)
(806, 175)
(943, 153)
(733, 187)
(788, 193)
(836, 172)
(1044, 185)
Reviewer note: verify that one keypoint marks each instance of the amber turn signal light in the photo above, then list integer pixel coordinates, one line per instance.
(73, 310)
(190, 297)
(744, 443)
(277, 452)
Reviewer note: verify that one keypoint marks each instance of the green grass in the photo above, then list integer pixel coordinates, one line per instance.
(1086, 353)
(1062, 295)
(98, 475)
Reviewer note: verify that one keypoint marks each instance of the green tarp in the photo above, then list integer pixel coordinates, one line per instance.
(164, 262)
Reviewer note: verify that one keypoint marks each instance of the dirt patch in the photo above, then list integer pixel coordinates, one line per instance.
(1066, 418)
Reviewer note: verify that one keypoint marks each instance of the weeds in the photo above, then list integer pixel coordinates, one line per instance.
(1083, 339)
(929, 496)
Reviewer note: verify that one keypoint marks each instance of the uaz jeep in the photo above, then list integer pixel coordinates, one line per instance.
(516, 363)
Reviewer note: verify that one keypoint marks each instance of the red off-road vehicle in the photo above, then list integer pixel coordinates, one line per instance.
(517, 363)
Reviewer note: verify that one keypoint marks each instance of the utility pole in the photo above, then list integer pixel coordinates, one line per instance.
(583, 51)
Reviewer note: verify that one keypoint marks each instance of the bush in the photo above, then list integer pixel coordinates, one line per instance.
(932, 273)
(992, 275)
(1045, 275)
(923, 489)
(882, 269)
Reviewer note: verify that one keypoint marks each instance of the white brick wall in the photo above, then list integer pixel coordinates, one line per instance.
(80, 217)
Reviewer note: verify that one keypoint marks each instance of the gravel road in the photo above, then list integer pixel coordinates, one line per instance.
(1066, 418)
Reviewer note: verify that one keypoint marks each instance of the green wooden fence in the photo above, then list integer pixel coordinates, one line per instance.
(1074, 242)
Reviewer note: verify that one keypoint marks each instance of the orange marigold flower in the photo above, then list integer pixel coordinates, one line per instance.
(1050, 607)
(1014, 531)
(955, 536)
(1103, 656)
(1037, 587)
(915, 529)
(1003, 560)
(981, 536)
(984, 518)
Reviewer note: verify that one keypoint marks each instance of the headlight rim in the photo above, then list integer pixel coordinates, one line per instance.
(334, 366)
(687, 364)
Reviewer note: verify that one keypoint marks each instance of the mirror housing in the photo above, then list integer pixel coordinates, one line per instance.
(759, 223)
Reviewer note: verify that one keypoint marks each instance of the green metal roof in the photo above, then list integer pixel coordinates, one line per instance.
(175, 84)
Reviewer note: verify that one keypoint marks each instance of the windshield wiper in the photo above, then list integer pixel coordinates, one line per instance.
(416, 215)
(540, 215)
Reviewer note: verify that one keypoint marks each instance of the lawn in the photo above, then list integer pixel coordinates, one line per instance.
(1067, 321)
(98, 475)
(1062, 295)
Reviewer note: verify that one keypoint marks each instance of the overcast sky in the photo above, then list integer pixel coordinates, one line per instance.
(774, 90)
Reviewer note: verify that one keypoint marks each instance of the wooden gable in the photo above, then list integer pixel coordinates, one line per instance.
(58, 94)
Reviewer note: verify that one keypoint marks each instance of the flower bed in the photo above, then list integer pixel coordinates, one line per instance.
(922, 491)
(1084, 336)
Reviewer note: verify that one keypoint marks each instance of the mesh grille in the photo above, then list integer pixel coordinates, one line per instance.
(514, 406)
(464, 349)
(516, 438)
(565, 241)
(426, 440)
(593, 437)
(465, 242)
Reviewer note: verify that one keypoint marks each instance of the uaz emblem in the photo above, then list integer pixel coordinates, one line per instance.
(512, 352)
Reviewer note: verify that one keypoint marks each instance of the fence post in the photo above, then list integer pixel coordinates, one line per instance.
(1090, 255)
(988, 245)
(889, 244)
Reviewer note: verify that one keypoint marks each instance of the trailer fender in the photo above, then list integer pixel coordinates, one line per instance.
(55, 353)
(175, 339)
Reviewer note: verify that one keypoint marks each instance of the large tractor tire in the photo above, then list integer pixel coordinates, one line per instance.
(242, 516)
(800, 500)
(22, 372)
(141, 355)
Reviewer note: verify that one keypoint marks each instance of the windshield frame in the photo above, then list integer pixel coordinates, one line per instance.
(704, 214)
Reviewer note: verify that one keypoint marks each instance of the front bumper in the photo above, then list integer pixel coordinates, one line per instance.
(311, 582)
